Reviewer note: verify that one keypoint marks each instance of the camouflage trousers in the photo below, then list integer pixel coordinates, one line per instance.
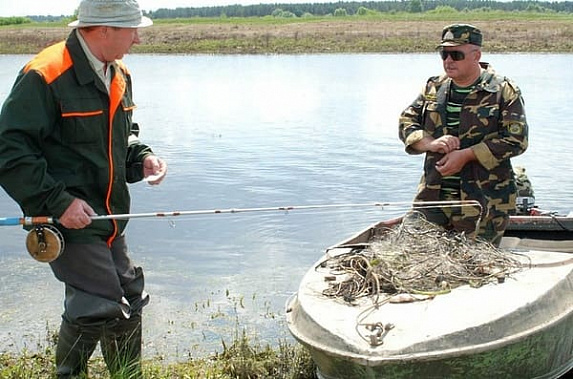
(489, 227)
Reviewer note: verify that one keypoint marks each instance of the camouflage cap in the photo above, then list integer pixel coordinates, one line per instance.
(460, 34)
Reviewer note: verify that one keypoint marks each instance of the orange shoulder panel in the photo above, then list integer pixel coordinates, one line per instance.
(51, 62)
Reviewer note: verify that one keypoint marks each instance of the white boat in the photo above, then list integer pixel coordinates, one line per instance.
(521, 328)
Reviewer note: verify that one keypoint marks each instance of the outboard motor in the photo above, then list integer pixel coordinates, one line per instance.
(525, 197)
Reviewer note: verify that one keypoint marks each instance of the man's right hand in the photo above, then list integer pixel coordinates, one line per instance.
(77, 215)
(444, 144)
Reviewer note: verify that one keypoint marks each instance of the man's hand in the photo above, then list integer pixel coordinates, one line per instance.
(154, 169)
(77, 215)
(453, 162)
(444, 144)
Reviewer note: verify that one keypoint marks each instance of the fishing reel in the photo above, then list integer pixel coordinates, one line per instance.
(45, 243)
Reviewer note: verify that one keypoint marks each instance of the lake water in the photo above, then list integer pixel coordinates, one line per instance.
(267, 131)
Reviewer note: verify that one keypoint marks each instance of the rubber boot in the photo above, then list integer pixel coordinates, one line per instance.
(75, 347)
(121, 348)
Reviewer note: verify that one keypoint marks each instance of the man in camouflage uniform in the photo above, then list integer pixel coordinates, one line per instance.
(469, 122)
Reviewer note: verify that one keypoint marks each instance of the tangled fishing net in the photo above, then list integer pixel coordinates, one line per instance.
(416, 257)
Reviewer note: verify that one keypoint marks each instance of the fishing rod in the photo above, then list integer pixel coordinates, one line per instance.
(9, 221)
(45, 241)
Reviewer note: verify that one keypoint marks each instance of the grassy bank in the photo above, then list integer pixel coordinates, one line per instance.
(407, 32)
(240, 354)
(243, 358)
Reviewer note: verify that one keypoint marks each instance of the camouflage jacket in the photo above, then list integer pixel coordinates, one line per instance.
(492, 124)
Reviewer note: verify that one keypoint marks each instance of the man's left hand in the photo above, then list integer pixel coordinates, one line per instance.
(154, 169)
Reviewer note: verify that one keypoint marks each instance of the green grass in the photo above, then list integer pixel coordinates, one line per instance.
(244, 357)
(241, 354)
(444, 14)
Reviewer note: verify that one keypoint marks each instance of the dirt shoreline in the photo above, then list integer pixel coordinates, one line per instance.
(321, 36)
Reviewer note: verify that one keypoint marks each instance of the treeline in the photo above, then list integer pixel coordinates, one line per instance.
(14, 20)
(339, 8)
(28, 19)
(356, 8)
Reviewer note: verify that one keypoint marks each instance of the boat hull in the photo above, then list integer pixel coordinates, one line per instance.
(547, 353)
(522, 328)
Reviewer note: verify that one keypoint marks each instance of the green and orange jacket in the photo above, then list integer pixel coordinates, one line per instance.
(62, 136)
(492, 124)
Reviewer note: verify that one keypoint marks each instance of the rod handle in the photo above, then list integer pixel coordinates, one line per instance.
(8, 221)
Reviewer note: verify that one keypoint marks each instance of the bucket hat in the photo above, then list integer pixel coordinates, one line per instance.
(115, 13)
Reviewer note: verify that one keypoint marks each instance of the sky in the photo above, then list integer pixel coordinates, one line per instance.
(9, 8)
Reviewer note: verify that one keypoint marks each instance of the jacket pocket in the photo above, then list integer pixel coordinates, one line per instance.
(82, 124)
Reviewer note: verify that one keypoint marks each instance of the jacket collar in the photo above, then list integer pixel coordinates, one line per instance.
(82, 68)
(490, 81)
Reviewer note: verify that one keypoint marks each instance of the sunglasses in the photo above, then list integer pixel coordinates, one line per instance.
(456, 55)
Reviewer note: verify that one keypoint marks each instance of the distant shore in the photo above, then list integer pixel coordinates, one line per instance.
(325, 35)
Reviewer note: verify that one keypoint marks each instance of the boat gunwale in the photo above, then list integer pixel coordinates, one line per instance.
(517, 225)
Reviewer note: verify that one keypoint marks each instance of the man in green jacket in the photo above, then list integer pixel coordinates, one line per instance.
(68, 148)
(469, 122)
